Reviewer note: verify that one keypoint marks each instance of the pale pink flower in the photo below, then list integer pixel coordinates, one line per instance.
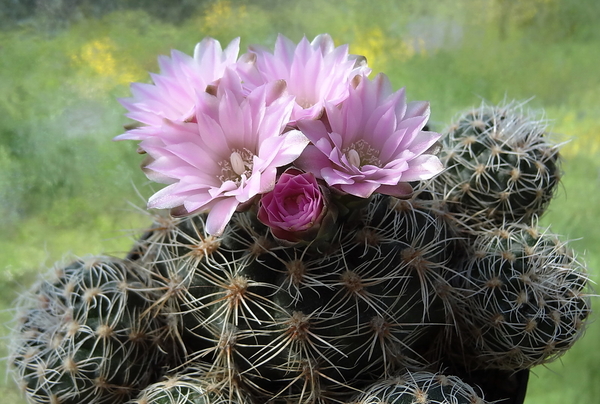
(295, 207)
(173, 94)
(315, 72)
(374, 142)
(228, 155)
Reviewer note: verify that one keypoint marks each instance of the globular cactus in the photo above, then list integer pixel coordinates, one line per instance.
(196, 385)
(500, 166)
(303, 323)
(522, 299)
(420, 388)
(82, 338)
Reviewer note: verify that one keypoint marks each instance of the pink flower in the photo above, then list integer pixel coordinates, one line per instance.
(315, 72)
(173, 94)
(294, 208)
(374, 142)
(228, 155)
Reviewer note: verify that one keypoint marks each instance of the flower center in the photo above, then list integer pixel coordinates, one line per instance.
(238, 167)
(293, 204)
(361, 153)
(304, 102)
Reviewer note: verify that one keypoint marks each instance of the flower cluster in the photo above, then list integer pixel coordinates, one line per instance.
(283, 129)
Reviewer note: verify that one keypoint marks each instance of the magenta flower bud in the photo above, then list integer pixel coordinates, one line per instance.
(295, 208)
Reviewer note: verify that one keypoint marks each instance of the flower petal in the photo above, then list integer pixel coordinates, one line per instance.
(422, 167)
(219, 215)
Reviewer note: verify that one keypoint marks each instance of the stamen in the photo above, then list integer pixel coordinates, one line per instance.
(237, 166)
(361, 153)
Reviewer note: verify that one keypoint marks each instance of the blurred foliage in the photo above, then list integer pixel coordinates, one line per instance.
(52, 15)
(58, 91)
(547, 20)
(65, 187)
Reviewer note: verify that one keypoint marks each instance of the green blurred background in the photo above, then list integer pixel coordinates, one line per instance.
(66, 188)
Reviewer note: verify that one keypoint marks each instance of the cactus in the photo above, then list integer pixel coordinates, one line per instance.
(81, 337)
(288, 320)
(522, 299)
(422, 388)
(311, 254)
(196, 385)
(501, 167)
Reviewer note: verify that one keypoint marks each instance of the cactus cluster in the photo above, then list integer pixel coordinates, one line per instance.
(395, 296)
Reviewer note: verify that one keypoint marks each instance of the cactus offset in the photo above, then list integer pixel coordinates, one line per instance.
(501, 168)
(421, 388)
(196, 385)
(81, 337)
(523, 299)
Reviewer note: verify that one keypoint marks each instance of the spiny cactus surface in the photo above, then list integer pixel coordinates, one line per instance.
(295, 321)
(195, 385)
(81, 337)
(500, 166)
(523, 298)
(420, 388)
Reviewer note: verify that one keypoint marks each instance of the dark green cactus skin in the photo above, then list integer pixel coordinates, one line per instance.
(306, 322)
(500, 166)
(81, 336)
(523, 300)
(421, 388)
